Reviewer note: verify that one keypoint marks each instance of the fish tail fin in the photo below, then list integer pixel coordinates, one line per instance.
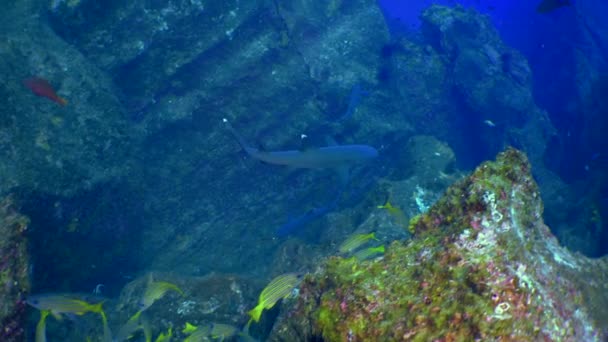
(135, 316)
(256, 313)
(44, 313)
(98, 308)
(247, 147)
(372, 235)
(177, 289)
(387, 205)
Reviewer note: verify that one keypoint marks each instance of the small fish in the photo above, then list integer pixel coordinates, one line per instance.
(130, 327)
(155, 291)
(396, 213)
(547, 6)
(59, 304)
(356, 241)
(41, 87)
(220, 331)
(41, 326)
(196, 334)
(368, 253)
(279, 288)
(165, 337)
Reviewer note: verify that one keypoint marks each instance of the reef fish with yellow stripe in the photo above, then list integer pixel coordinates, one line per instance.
(58, 304)
(369, 253)
(155, 291)
(396, 213)
(279, 288)
(356, 241)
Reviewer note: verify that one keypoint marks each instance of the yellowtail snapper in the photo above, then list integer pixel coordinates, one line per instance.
(356, 241)
(368, 253)
(66, 304)
(279, 288)
(135, 323)
(155, 291)
(59, 304)
(165, 337)
(396, 213)
(196, 334)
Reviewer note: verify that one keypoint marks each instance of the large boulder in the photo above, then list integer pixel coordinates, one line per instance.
(481, 265)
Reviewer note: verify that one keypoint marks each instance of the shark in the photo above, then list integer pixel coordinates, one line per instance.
(328, 157)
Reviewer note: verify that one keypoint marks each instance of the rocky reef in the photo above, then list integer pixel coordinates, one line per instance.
(137, 173)
(14, 271)
(481, 265)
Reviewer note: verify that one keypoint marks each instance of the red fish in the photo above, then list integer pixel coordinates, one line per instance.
(41, 87)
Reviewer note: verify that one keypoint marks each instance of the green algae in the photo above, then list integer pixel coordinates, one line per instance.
(466, 274)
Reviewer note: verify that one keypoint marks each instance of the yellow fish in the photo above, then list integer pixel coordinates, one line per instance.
(128, 329)
(162, 337)
(368, 253)
(356, 241)
(396, 213)
(279, 288)
(155, 291)
(196, 334)
(58, 304)
(220, 331)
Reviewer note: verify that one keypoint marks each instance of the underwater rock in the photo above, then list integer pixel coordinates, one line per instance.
(340, 41)
(14, 276)
(423, 171)
(259, 79)
(493, 81)
(481, 265)
(493, 95)
(45, 147)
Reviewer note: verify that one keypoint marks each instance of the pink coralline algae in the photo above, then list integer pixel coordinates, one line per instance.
(481, 266)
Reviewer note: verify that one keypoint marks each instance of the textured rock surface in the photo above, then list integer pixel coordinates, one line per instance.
(14, 267)
(45, 147)
(492, 81)
(481, 265)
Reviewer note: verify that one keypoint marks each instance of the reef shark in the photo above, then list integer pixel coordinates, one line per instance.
(339, 157)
